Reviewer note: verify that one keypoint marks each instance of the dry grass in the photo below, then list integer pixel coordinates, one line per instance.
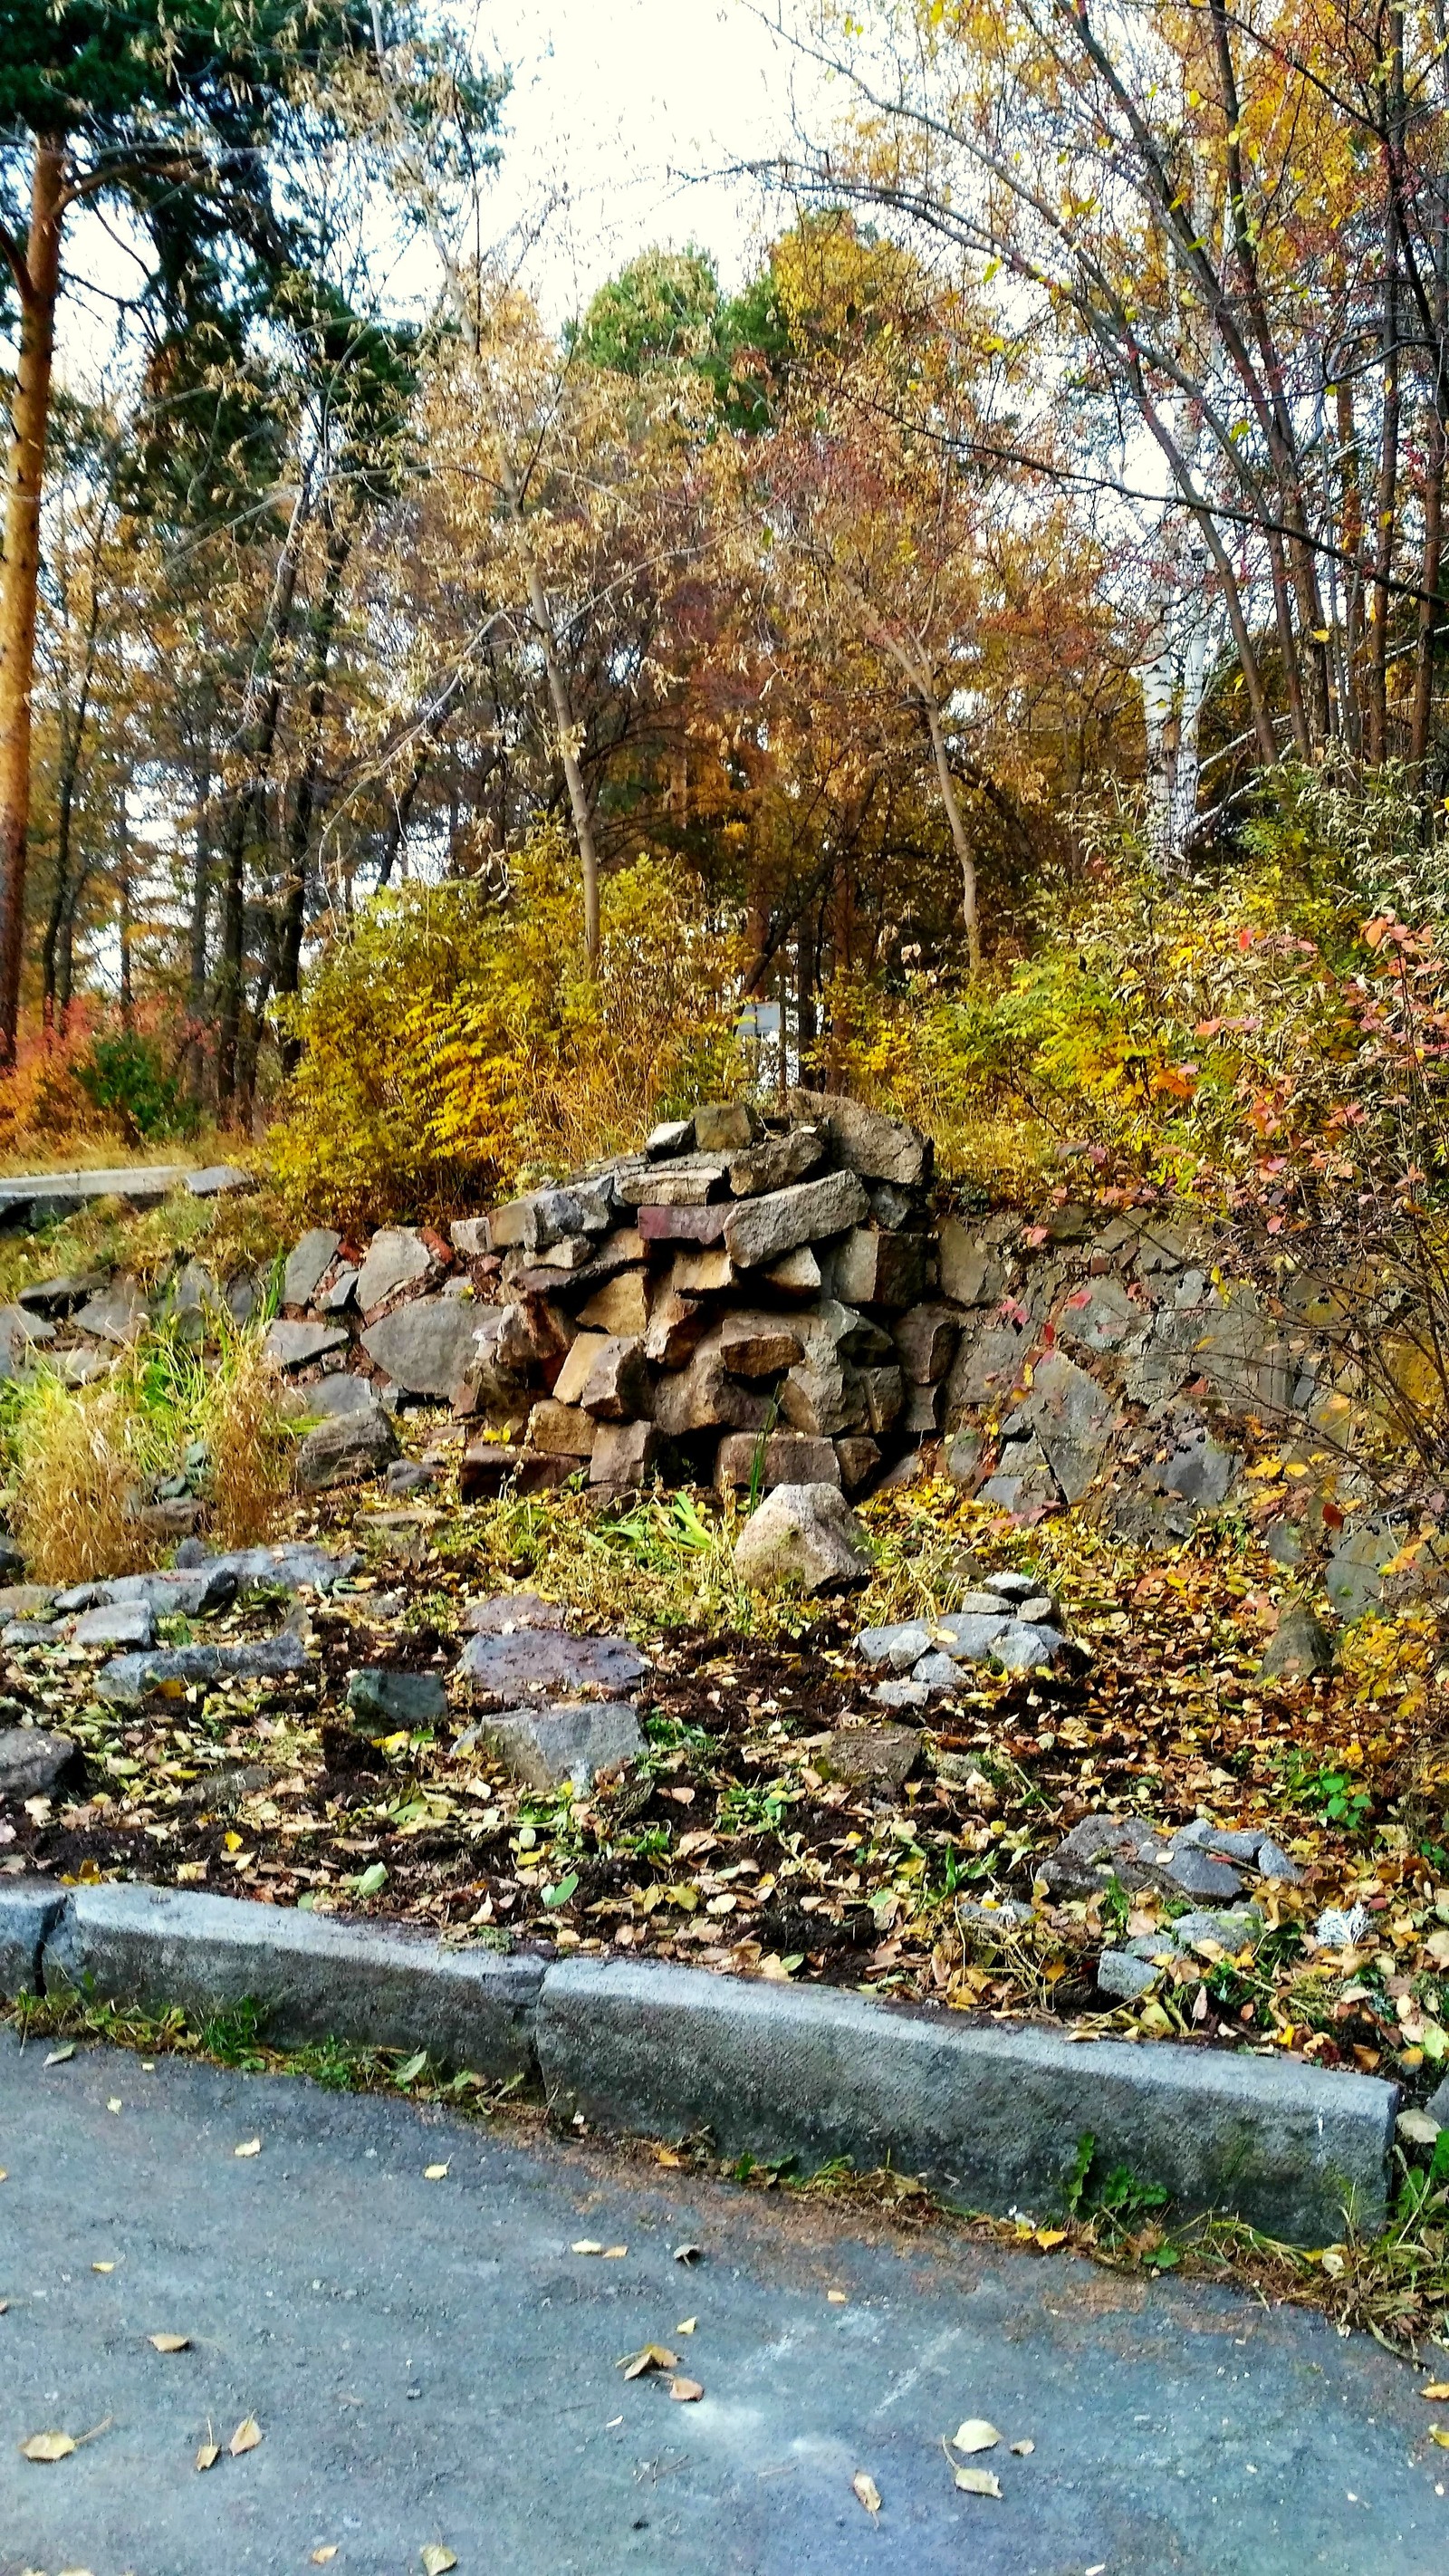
(79, 1460)
(239, 1419)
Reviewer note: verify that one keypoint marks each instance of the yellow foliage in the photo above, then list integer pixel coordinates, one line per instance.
(79, 1461)
(456, 1041)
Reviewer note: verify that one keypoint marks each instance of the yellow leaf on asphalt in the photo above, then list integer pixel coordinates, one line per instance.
(1023, 2450)
(248, 2147)
(585, 2245)
(654, 2356)
(1438, 2434)
(435, 2173)
(48, 2446)
(103, 2267)
(322, 2557)
(977, 2482)
(1436, 2390)
(864, 2486)
(615, 2253)
(975, 2435)
(838, 2298)
(686, 2325)
(246, 2437)
(208, 2455)
(685, 2391)
(59, 2056)
(170, 2342)
(114, 2103)
(1047, 2237)
(436, 2559)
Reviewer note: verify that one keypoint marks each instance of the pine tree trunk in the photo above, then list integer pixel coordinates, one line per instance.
(19, 579)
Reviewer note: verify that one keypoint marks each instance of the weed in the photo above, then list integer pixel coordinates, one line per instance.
(80, 1455)
(247, 1442)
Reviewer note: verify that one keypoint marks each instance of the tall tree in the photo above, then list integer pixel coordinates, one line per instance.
(170, 113)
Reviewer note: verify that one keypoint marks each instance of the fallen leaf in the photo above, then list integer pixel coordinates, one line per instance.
(170, 2342)
(1047, 2237)
(371, 1883)
(114, 2103)
(435, 2173)
(59, 2056)
(246, 2437)
(1023, 2450)
(322, 2557)
(977, 2482)
(655, 2356)
(682, 2253)
(103, 2267)
(685, 2391)
(615, 2253)
(436, 2559)
(585, 2245)
(248, 2147)
(48, 2446)
(1438, 2434)
(208, 2455)
(838, 2298)
(1437, 2389)
(686, 2325)
(975, 2435)
(864, 2486)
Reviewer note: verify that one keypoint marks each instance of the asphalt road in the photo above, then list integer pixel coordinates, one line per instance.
(429, 2363)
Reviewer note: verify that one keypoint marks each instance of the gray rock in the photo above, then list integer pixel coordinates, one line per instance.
(963, 1458)
(397, 1258)
(619, 1386)
(1021, 1482)
(314, 1977)
(972, 1636)
(329, 1397)
(502, 1614)
(1245, 1359)
(1232, 1926)
(1195, 1873)
(938, 1671)
(1162, 1358)
(118, 1314)
(1298, 1646)
(878, 1148)
(242, 1296)
(625, 1453)
(336, 1299)
(53, 1297)
(1200, 1472)
(1102, 1848)
(472, 1236)
(190, 1592)
(760, 1230)
(130, 1680)
(562, 1430)
(1126, 1977)
(1075, 1422)
(382, 1698)
(758, 1345)
(1354, 1579)
(425, 1347)
(116, 1623)
(970, 1274)
(1022, 1648)
(32, 1632)
(1099, 1316)
(218, 1180)
(299, 1345)
(1005, 1916)
(725, 1126)
(880, 1269)
(24, 1600)
(805, 1534)
(926, 1339)
(294, 1565)
(32, 1760)
(992, 2115)
(30, 1908)
(671, 1136)
(1437, 2105)
(896, 1648)
(306, 1264)
(1275, 1863)
(347, 1450)
(549, 1659)
(571, 1740)
(901, 1693)
(777, 1163)
(783, 1458)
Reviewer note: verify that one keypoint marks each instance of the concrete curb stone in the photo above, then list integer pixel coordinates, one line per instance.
(993, 2115)
(370, 1984)
(29, 1909)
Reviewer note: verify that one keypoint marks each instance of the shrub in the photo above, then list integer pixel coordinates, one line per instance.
(454, 1040)
(247, 1442)
(80, 1458)
(126, 1076)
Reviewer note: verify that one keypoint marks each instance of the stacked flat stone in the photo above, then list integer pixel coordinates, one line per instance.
(748, 1299)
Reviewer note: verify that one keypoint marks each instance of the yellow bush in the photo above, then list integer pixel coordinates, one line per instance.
(80, 1458)
(455, 1042)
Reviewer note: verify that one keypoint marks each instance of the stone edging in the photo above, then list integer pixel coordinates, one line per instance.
(990, 2114)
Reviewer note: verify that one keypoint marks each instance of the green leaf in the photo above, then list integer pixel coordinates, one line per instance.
(409, 2073)
(372, 1882)
(560, 1894)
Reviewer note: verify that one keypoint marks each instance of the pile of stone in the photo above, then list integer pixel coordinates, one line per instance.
(1012, 1623)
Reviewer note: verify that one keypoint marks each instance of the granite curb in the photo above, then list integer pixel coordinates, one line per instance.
(990, 2114)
